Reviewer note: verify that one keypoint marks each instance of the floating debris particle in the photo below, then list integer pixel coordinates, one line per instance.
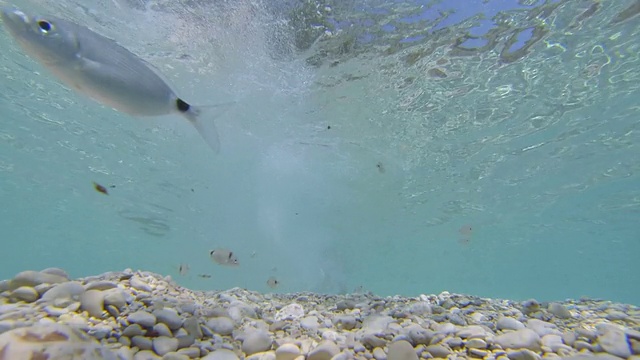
(380, 167)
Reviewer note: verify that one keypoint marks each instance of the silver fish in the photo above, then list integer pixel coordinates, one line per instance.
(183, 269)
(224, 257)
(272, 282)
(103, 70)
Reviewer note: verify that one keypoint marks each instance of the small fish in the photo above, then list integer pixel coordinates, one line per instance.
(272, 282)
(100, 188)
(183, 269)
(103, 70)
(466, 231)
(380, 167)
(204, 276)
(224, 257)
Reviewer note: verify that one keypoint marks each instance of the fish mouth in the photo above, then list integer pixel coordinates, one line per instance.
(13, 17)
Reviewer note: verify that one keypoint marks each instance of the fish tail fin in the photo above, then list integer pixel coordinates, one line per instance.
(203, 119)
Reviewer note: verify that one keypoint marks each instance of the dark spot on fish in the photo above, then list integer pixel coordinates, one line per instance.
(230, 254)
(211, 252)
(100, 188)
(182, 105)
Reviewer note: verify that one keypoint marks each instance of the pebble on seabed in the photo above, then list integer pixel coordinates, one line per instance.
(141, 315)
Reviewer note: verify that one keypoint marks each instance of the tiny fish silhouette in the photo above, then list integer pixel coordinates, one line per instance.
(100, 188)
(465, 233)
(272, 282)
(183, 269)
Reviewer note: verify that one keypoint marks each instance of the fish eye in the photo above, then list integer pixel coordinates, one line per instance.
(44, 26)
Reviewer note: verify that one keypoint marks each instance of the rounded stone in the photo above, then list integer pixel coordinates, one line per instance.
(267, 355)
(401, 350)
(379, 354)
(26, 294)
(524, 354)
(146, 355)
(175, 356)
(56, 271)
(287, 351)
(221, 325)
(346, 322)
(324, 351)
(290, 312)
(133, 330)
(33, 278)
(221, 354)
(101, 285)
(476, 344)
(191, 352)
(92, 301)
(309, 323)
(164, 344)
(507, 323)
(613, 340)
(69, 290)
(57, 341)
(420, 335)
(345, 305)
(162, 329)
(439, 351)
(256, 341)
(142, 342)
(116, 298)
(143, 318)
(519, 339)
(168, 317)
(137, 283)
(559, 311)
(372, 341)
(192, 327)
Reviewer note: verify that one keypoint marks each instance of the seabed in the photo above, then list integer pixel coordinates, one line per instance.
(142, 315)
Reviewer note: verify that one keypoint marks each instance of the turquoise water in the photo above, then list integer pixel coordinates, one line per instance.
(365, 152)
